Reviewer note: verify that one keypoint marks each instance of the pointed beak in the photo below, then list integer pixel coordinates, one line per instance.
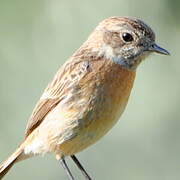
(155, 48)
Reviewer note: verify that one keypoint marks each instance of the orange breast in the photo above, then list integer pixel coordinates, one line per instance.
(108, 88)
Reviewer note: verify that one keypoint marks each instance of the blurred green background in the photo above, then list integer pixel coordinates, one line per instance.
(37, 36)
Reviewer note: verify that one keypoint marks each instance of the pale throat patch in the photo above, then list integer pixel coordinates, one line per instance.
(107, 52)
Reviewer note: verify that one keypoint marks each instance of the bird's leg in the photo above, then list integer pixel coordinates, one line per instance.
(66, 168)
(80, 167)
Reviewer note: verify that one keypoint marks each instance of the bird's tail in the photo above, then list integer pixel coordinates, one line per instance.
(6, 165)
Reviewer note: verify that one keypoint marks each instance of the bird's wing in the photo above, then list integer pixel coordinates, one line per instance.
(67, 77)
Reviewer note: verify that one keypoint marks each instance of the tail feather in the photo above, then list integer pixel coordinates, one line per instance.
(6, 165)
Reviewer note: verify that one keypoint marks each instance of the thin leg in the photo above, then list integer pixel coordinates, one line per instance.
(64, 165)
(80, 167)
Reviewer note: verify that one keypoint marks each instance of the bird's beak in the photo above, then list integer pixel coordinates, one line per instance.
(155, 48)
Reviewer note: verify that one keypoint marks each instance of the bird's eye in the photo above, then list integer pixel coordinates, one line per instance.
(127, 37)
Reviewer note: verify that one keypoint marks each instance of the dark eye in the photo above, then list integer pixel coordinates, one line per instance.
(127, 37)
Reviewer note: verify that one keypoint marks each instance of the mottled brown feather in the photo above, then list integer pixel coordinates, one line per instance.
(67, 76)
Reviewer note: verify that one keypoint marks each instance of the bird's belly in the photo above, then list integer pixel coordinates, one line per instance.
(103, 117)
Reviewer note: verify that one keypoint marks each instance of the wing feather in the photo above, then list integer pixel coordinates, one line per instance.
(67, 77)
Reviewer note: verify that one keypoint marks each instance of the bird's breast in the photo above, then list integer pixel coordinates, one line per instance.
(112, 88)
(105, 92)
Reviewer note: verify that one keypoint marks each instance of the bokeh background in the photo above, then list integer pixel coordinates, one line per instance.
(37, 36)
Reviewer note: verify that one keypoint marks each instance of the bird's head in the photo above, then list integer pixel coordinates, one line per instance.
(126, 41)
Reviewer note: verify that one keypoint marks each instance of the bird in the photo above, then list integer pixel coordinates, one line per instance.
(88, 94)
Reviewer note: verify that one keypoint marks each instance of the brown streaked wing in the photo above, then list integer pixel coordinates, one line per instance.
(42, 108)
(67, 76)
